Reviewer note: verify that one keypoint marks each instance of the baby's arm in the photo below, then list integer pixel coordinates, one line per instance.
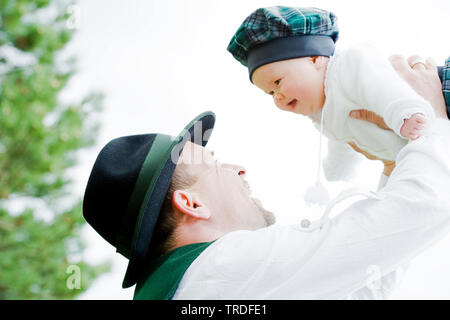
(370, 80)
(340, 162)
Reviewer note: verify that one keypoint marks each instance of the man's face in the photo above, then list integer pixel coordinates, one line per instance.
(297, 85)
(222, 188)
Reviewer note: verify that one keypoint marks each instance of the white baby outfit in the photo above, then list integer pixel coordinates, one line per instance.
(361, 78)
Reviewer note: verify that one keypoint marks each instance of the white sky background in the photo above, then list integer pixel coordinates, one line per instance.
(160, 63)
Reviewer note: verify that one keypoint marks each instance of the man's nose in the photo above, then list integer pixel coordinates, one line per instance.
(239, 169)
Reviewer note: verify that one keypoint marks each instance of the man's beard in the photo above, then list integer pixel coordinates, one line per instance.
(268, 216)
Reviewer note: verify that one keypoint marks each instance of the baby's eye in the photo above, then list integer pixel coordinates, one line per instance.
(271, 93)
(277, 82)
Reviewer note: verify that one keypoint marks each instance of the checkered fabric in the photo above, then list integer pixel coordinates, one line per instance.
(266, 24)
(446, 84)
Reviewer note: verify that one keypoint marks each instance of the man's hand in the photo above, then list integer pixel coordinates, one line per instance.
(424, 79)
(370, 116)
(388, 164)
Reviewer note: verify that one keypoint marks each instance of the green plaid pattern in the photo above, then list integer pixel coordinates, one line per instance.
(267, 24)
(446, 84)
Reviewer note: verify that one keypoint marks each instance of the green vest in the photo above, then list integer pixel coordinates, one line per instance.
(165, 273)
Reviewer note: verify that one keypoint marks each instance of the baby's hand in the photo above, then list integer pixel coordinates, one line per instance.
(412, 127)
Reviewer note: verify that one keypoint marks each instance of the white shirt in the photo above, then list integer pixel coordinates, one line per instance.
(362, 78)
(337, 258)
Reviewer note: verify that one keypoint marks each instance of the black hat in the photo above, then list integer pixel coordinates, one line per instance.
(128, 185)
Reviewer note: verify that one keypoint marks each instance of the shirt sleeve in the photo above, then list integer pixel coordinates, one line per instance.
(339, 258)
(370, 80)
(377, 286)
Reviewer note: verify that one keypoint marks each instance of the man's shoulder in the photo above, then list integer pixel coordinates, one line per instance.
(237, 244)
(253, 245)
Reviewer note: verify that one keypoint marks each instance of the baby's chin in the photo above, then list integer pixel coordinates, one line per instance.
(311, 111)
(303, 111)
(299, 110)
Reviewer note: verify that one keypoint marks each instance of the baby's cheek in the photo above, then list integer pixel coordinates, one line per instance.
(296, 91)
(312, 92)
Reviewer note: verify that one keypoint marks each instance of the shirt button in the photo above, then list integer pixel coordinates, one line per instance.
(305, 223)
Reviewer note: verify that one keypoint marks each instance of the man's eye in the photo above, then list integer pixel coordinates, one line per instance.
(277, 82)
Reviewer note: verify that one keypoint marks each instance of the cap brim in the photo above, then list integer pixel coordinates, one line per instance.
(198, 131)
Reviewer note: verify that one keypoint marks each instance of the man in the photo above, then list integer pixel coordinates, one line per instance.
(192, 231)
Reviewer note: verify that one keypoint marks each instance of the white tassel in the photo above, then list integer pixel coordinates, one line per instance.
(318, 194)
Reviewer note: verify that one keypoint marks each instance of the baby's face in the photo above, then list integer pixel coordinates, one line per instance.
(297, 85)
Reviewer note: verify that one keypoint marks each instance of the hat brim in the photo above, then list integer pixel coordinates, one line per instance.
(198, 131)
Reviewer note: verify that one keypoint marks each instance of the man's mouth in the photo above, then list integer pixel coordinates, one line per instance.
(247, 186)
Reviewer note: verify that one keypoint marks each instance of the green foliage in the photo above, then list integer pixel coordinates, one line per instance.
(36, 256)
(39, 140)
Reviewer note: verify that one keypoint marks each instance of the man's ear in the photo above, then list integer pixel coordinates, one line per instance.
(185, 203)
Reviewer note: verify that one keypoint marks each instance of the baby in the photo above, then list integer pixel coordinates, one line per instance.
(290, 54)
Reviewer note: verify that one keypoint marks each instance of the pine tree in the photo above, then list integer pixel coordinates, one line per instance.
(40, 137)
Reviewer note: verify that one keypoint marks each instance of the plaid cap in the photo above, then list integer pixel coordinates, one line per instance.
(280, 33)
